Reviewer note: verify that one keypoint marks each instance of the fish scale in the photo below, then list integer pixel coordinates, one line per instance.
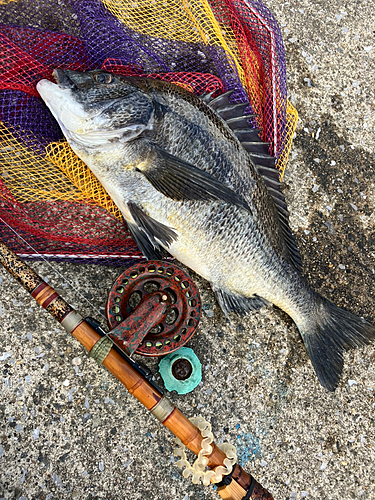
(223, 161)
(205, 191)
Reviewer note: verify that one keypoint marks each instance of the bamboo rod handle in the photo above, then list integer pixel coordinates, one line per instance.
(134, 382)
(232, 492)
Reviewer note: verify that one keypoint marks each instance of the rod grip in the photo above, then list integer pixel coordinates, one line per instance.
(260, 493)
(243, 487)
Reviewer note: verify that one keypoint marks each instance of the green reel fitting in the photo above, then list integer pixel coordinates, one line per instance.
(181, 371)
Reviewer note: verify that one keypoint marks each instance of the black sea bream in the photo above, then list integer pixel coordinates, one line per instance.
(190, 176)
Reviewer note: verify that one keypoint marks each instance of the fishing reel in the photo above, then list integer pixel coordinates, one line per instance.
(153, 309)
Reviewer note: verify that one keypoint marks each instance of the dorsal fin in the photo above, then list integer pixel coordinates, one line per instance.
(233, 115)
(273, 186)
(241, 122)
(264, 160)
(221, 100)
(247, 134)
(232, 111)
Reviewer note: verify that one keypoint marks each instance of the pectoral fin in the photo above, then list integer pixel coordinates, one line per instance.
(150, 235)
(180, 181)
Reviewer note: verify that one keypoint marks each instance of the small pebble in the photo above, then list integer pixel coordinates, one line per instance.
(70, 394)
(352, 382)
(96, 421)
(56, 479)
(330, 227)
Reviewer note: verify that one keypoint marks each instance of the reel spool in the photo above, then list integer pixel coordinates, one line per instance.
(153, 309)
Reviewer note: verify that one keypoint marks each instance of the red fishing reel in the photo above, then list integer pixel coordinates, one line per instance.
(153, 309)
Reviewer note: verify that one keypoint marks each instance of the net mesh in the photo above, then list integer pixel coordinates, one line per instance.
(47, 194)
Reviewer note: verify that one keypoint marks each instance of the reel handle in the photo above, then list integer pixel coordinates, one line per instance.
(130, 333)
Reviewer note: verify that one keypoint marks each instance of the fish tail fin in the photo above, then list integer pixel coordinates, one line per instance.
(327, 333)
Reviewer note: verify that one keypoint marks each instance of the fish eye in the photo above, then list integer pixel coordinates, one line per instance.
(103, 78)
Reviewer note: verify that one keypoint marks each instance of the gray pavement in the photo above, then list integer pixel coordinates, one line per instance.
(68, 430)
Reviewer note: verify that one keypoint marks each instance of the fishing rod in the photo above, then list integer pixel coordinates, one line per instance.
(231, 481)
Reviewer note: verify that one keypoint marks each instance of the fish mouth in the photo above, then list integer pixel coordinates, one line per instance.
(62, 79)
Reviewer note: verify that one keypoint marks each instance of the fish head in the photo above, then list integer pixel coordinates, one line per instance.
(96, 109)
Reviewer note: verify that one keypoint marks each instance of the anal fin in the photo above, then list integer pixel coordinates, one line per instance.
(232, 303)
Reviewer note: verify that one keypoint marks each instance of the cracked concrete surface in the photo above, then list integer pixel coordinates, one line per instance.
(69, 431)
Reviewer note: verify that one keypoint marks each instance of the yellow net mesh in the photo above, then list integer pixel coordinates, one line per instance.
(31, 177)
(81, 177)
(291, 125)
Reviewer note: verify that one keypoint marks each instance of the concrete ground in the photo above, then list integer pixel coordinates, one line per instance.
(69, 431)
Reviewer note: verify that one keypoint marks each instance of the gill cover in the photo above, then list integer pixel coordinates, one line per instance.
(95, 109)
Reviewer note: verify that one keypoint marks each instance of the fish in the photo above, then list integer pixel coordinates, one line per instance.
(192, 178)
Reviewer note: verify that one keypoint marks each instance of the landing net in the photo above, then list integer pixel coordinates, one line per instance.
(46, 193)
